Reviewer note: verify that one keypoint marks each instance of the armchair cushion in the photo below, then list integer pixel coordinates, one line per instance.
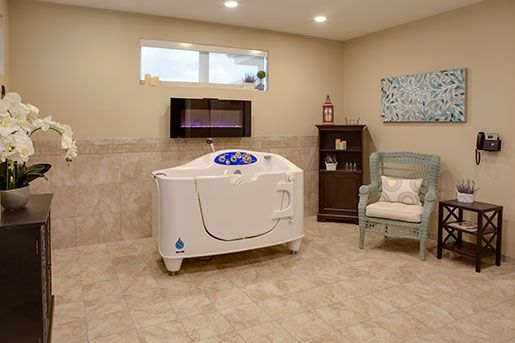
(405, 191)
(395, 211)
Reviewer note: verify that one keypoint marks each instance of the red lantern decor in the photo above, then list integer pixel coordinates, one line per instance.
(328, 112)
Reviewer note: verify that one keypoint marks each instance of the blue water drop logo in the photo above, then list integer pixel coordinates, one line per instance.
(179, 244)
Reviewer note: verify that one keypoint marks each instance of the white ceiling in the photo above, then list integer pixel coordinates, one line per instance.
(346, 18)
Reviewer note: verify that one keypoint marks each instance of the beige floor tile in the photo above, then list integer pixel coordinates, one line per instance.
(227, 298)
(151, 315)
(332, 337)
(481, 297)
(370, 306)
(293, 284)
(246, 316)
(341, 291)
(206, 325)
(304, 326)
(131, 268)
(455, 306)
(423, 288)
(109, 324)
(227, 338)
(67, 290)
(331, 277)
(179, 289)
(124, 337)
(246, 275)
(137, 283)
(149, 297)
(69, 312)
(70, 332)
(394, 275)
(280, 307)
(269, 332)
(507, 309)
(191, 306)
(341, 315)
(211, 280)
(320, 277)
(97, 273)
(369, 332)
(430, 314)
(427, 338)
(500, 326)
(463, 331)
(402, 325)
(100, 289)
(164, 333)
(314, 297)
(367, 284)
(63, 268)
(398, 297)
(103, 305)
(261, 291)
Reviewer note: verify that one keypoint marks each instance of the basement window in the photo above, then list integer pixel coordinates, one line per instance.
(200, 65)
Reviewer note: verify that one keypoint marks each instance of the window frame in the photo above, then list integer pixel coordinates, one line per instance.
(203, 50)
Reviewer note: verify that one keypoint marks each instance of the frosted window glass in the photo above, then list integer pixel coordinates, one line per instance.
(170, 64)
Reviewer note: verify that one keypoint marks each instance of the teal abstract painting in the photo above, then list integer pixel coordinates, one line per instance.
(438, 96)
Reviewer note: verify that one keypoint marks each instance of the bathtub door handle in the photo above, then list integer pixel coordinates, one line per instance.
(286, 187)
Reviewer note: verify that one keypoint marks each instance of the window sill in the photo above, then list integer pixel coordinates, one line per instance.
(203, 85)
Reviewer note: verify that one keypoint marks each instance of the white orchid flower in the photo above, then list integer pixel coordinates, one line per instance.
(8, 125)
(43, 124)
(23, 143)
(71, 152)
(17, 123)
(12, 98)
(67, 130)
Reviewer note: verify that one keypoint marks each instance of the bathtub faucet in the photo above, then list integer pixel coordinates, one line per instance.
(210, 142)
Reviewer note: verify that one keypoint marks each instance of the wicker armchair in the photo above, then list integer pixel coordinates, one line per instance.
(407, 165)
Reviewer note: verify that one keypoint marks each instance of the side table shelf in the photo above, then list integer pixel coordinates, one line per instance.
(488, 231)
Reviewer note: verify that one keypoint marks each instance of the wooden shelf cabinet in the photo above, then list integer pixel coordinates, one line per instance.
(338, 190)
(26, 300)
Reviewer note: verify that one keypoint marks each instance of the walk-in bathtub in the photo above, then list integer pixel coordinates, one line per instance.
(227, 201)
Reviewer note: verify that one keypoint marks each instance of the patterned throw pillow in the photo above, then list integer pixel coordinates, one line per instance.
(405, 191)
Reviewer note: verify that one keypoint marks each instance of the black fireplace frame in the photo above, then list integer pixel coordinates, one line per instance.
(178, 106)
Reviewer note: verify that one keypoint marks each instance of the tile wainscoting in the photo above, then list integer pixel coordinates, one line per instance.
(105, 195)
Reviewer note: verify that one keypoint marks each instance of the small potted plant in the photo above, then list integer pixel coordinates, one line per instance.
(261, 75)
(248, 81)
(465, 190)
(330, 162)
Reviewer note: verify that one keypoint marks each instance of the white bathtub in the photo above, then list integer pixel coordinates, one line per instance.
(227, 201)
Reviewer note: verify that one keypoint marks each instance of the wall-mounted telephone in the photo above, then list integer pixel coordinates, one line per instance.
(487, 142)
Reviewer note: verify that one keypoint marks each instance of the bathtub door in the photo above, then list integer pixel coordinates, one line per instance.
(238, 206)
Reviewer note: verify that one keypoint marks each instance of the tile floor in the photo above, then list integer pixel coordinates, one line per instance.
(329, 292)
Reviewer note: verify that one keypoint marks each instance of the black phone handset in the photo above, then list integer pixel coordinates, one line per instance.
(487, 142)
(479, 146)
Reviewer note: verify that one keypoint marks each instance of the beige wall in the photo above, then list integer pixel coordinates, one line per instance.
(4, 12)
(480, 37)
(82, 66)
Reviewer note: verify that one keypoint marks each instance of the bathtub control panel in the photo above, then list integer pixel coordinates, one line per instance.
(235, 158)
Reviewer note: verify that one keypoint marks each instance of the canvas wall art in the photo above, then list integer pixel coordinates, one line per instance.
(438, 96)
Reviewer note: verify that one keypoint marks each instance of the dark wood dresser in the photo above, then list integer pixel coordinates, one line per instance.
(26, 300)
(338, 190)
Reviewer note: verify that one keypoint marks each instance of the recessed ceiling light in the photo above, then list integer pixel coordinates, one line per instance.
(320, 19)
(231, 4)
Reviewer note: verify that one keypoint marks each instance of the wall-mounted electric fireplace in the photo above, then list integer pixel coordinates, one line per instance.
(209, 118)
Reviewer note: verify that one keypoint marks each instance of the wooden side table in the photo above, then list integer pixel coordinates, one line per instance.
(488, 230)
